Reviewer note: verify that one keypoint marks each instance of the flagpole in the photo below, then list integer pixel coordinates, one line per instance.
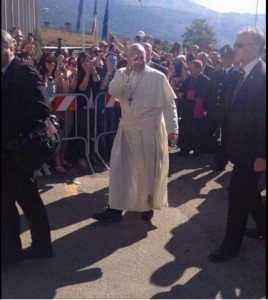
(256, 13)
(97, 27)
(105, 22)
(140, 13)
(83, 28)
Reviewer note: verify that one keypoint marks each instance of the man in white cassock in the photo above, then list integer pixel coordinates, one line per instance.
(139, 159)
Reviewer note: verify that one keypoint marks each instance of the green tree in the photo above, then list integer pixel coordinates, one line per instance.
(199, 34)
(68, 26)
(38, 44)
(47, 24)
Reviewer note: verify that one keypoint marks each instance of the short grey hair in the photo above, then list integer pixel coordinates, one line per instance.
(135, 46)
(7, 39)
(256, 35)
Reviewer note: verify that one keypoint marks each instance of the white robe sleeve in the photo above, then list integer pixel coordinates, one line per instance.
(171, 118)
(117, 84)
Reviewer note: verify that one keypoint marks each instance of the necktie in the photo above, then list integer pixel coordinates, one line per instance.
(239, 84)
(223, 72)
(242, 78)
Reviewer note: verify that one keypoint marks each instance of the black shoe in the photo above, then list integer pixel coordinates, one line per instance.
(195, 153)
(109, 215)
(147, 215)
(222, 255)
(30, 253)
(183, 153)
(255, 233)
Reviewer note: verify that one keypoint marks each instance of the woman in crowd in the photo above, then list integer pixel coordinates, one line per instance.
(48, 67)
(86, 82)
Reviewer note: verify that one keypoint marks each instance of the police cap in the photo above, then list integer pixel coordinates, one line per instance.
(227, 51)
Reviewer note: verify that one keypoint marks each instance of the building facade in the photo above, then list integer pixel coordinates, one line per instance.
(19, 13)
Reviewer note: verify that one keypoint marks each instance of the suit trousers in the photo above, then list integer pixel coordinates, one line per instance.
(20, 186)
(244, 200)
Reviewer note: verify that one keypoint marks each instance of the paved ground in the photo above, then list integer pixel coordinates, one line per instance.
(164, 259)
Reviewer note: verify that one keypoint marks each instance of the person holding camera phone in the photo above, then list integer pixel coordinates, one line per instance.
(86, 83)
(107, 119)
(48, 67)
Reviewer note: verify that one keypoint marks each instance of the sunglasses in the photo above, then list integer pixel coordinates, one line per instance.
(50, 61)
(241, 45)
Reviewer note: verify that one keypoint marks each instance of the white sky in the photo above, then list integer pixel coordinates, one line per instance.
(240, 6)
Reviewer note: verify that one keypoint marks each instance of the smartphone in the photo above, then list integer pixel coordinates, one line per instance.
(91, 64)
(113, 60)
(61, 66)
(74, 63)
(111, 38)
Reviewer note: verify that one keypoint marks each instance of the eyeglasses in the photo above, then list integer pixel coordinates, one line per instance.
(50, 61)
(241, 45)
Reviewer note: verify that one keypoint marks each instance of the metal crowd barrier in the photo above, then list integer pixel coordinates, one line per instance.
(68, 101)
(102, 97)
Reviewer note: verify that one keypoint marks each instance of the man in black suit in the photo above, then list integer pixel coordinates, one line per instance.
(149, 54)
(224, 81)
(245, 128)
(207, 69)
(24, 102)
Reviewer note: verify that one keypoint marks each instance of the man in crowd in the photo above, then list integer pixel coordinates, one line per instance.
(149, 54)
(194, 91)
(139, 159)
(207, 69)
(245, 146)
(223, 82)
(24, 103)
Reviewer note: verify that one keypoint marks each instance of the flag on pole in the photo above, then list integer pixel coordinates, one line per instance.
(105, 22)
(94, 22)
(80, 9)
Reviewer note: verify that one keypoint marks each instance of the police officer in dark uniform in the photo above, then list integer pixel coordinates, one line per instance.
(224, 82)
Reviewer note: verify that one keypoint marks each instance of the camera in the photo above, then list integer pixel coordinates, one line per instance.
(30, 37)
(57, 122)
(138, 39)
(112, 60)
(61, 66)
(91, 64)
(111, 38)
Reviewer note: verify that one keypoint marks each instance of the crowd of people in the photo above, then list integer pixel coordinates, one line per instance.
(198, 100)
(195, 75)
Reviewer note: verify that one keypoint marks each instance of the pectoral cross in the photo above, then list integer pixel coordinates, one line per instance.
(130, 100)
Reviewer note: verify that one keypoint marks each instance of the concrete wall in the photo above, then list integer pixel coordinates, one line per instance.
(19, 13)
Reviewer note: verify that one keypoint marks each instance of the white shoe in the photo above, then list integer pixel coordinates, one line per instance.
(45, 169)
(38, 173)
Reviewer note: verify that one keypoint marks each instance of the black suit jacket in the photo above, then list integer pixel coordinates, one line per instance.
(208, 70)
(245, 123)
(222, 90)
(201, 87)
(159, 67)
(23, 102)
